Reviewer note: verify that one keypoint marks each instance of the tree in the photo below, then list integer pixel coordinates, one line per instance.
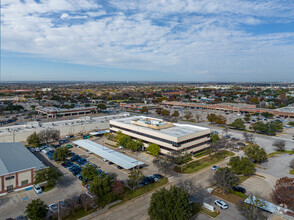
(165, 112)
(36, 210)
(61, 153)
(198, 118)
(214, 138)
(89, 171)
(256, 153)
(101, 106)
(144, 109)
(164, 164)
(159, 111)
(86, 201)
(49, 135)
(238, 124)
(172, 204)
(284, 192)
(51, 175)
(247, 117)
(242, 165)
(211, 117)
(279, 145)
(175, 114)
(117, 187)
(221, 120)
(249, 138)
(267, 114)
(135, 178)
(252, 211)
(34, 140)
(101, 187)
(73, 203)
(225, 178)
(188, 116)
(153, 149)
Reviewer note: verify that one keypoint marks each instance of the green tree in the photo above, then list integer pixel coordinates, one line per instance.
(267, 114)
(211, 117)
(102, 106)
(175, 114)
(51, 175)
(36, 210)
(247, 117)
(172, 204)
(61, 153)
(135, 177)
(153, 149)
(135, 145)
(159, 111)
(221, 120)
(225, 178)
(242, 165)
(34, 140)
(124, 140)
(101, 187)
(165, 112)
(89, 171)
(214, 138)
(256, 153)
(144, 109)
(238, 124)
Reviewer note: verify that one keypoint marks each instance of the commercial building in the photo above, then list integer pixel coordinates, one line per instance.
(53, 112)
(118, 158)
(169, 136)
(17, 167)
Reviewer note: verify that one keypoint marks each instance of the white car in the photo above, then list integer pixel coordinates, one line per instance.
(53, 207)
(214, 168)
(91, 195)
(221, 204)
(120, 147)
(38, 189)
(37, 149)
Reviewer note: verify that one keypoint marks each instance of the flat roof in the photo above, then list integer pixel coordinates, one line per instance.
(109, 154)
(16, 157)
(178, 130)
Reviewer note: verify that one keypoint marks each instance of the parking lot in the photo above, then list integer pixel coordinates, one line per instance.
(13, 205)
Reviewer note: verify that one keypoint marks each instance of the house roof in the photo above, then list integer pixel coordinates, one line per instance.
(16, 157)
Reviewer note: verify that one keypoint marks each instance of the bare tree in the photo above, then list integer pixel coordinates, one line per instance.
(188, 115)
(49, 135)
(248, 137)
(279, 145)
(198, 118)
(192, 188)
(252, 211)
(226, 131)
(164, 164)
(73, 203)
(225, 178)
(86, 201)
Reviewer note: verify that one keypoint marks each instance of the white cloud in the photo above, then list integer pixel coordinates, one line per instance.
(201, 37)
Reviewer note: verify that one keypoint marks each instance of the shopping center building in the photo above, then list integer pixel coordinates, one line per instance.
(169, 136)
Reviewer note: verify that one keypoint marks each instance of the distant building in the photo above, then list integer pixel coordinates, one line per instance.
(53, 112)
(17, 167)
(169, 136)
(97, 101)
(172, 92)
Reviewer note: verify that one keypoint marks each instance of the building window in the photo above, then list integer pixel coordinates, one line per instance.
(9, 178)
(25, 182)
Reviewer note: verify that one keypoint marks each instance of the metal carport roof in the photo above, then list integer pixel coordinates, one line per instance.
(118, 158)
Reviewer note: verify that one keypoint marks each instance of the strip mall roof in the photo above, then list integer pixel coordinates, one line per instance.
(118, 158)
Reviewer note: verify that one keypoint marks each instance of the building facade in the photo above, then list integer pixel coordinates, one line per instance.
(168, 136)
(17, 167)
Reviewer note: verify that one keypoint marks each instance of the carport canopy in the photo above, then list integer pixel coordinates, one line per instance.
(118, 158)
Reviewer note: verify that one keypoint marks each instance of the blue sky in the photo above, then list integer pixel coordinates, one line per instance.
(150, 40)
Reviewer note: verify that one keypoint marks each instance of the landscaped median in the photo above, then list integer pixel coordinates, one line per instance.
(277, 153)
(202, 163)
(130, 194)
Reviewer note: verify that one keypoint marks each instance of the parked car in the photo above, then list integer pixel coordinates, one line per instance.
(53, 207)
(221, 204)
(75, 158)
(239, 189)
(119, 167)
(214, 168)
(150, 179)
(38, 189)
(91, 195)
(158, 176)
(110, 163)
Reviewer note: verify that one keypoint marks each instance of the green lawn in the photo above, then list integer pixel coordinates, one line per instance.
(201, 154)
(242, 179)
(202, 163)
(277, 153)
(78, 214)
(130, 194)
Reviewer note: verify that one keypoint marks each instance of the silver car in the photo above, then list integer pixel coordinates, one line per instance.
(221, 204)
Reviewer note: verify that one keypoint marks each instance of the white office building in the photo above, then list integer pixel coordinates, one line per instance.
(169, 136)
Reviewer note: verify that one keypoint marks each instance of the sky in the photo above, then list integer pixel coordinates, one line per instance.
(147, 40)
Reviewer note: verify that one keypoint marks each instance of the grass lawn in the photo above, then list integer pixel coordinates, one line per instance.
(201, 154)
(47, 188)
(202, 163)
(229, 196)
(78, 214)
(277, 153)
(209, 213)
(242, 179)
(291, 172)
